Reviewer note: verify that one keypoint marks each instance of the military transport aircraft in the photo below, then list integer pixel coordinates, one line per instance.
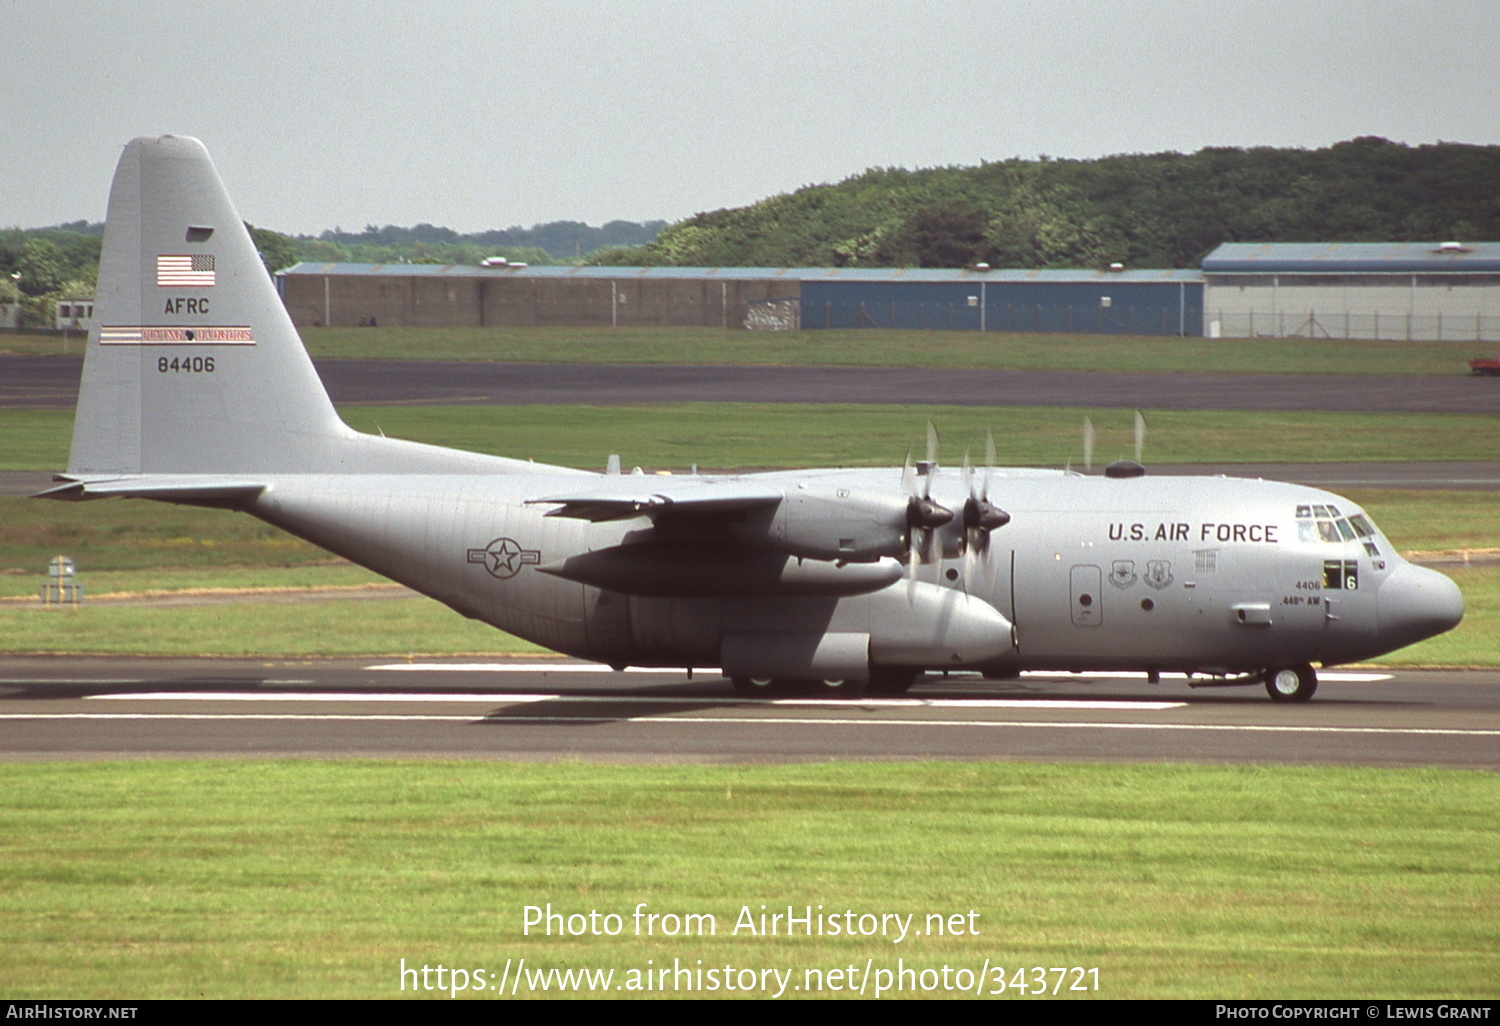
(197, 389)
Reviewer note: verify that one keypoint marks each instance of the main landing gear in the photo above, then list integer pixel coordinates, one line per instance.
(883, 681)
(1291, 683)
(768, 686)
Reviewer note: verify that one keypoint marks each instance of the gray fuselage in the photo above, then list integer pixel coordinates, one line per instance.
(1203, 574)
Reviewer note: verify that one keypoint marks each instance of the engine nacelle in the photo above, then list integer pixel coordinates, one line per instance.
(831, 524)
(933, 627)
(672, 570)
(922, 626)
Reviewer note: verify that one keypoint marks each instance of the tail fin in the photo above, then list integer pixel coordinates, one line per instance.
(194, 366)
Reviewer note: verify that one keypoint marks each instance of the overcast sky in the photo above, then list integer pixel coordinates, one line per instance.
(488, 113)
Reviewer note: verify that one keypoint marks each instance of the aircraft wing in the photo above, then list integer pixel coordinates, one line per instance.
(622, 498)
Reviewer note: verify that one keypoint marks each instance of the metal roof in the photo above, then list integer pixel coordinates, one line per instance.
(1353, 257)
(859, 274)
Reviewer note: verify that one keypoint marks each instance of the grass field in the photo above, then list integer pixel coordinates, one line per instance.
(314, 879)
(115, 536)
(747, 435)
(244, 878)
(260, 625)
(866, 348)
(131, 547)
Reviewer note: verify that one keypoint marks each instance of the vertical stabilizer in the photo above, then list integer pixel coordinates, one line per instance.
(193, 366)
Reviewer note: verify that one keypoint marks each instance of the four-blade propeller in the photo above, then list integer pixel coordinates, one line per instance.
(925, 517)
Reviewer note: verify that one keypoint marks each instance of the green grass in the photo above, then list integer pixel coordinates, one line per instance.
(866, 348)
(256, 626)
(22, 579)
(128, 545)
(314, 879)
(136, 535)
(207, 548)
(1473, 643)
(1433, 521)
(737, 435)
(893, 348)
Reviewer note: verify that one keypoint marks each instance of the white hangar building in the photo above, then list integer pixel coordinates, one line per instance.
(1428, 291)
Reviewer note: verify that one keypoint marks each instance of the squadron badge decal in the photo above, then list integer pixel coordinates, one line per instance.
(504, 557)
(1159, 573)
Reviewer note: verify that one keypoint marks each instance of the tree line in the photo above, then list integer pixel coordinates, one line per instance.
(39, 266)
(1142, 210)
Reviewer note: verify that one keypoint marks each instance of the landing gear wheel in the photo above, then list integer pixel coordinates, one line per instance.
(1291, 683)
(834, 688)
(756, 687)
(892, 680)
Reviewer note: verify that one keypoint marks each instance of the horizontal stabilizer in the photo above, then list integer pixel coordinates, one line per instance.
(187, 489)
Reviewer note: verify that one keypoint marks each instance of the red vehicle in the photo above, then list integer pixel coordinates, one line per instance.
(1485, 366)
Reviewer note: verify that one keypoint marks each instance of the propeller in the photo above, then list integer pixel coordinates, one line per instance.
(924, 516)
(980, 515)
(1088, 445)
(1140, 435)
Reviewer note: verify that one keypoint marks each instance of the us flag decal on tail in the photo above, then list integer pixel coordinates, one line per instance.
(177, 271)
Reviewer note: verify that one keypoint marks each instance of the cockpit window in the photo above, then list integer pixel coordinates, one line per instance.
(1325, 524)
(1366, 532)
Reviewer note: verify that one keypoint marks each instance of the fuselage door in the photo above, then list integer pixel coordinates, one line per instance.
(1086, 583)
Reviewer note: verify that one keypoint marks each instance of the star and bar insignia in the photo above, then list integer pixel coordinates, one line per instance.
(504, 557)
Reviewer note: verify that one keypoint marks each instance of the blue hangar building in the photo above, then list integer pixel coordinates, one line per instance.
(1112, 301)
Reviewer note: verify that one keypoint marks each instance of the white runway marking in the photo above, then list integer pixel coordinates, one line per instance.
(513, 699)
(558, 667)
(713, 671)
(668, 721)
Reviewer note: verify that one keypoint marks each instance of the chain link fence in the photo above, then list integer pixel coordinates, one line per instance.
(1409, 327)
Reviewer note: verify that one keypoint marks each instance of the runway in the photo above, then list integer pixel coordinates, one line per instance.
(73, 708)
(52, 382)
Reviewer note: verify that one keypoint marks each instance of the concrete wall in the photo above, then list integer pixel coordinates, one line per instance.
(343, 300)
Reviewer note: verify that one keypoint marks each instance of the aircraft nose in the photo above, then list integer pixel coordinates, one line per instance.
(1416, 603)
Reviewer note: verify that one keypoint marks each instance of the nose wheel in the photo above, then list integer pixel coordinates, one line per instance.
(1291, 683)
